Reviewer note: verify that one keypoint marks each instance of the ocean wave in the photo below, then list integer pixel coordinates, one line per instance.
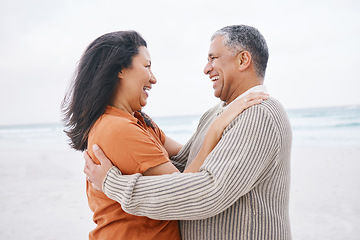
(339, 125)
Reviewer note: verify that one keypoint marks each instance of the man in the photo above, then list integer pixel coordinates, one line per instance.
(242, 189)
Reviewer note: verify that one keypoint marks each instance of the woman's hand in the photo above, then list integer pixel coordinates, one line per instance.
(237, 106)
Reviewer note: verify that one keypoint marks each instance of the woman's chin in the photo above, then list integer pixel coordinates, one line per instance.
(143, 103)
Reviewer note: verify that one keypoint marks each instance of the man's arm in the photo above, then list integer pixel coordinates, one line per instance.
(212, 137)
(232, 169)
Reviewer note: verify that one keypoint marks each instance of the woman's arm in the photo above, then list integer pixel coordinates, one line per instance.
(218, 126)
(213, 135)
(172, 146)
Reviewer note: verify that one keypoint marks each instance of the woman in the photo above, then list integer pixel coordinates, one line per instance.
(104, 107)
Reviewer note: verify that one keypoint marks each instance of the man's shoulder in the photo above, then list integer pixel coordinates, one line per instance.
(273, 107)
(276, 113)
(270, 110)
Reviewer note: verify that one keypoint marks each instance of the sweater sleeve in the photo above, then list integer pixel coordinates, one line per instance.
(180, 159)
(244, 157)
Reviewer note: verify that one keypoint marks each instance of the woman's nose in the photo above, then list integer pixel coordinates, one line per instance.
(153, 79)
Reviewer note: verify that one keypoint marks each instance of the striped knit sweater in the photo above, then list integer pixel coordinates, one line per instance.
(241, 191)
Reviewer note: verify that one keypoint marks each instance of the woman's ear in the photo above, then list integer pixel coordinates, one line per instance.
(244, 60)
(119, 75)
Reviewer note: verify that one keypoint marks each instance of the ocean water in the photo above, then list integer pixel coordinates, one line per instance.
(313, 126)
(326, 126)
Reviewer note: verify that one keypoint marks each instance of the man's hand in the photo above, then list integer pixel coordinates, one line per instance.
(96, 174)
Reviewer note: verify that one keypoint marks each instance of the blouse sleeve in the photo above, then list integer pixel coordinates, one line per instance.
(131, 147)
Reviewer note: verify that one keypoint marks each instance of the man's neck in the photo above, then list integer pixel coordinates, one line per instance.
(258, 88)
(242, 89)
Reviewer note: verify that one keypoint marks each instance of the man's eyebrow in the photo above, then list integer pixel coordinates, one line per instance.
(210, 55)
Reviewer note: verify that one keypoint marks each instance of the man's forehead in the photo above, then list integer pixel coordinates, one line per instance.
(216, 45)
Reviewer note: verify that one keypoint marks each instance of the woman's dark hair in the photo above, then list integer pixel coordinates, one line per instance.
(95, 82)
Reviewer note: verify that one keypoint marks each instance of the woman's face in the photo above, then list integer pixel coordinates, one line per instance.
(135, 82)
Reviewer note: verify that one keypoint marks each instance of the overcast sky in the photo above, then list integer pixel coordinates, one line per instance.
(314, 50)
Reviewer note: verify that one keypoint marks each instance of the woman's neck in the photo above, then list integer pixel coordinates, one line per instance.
(123, 107)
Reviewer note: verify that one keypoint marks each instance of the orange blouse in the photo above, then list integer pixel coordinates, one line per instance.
(133, 147)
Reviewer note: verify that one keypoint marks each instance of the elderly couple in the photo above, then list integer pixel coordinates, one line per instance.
(229, 181)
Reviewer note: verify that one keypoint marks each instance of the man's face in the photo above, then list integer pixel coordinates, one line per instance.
(222, 69)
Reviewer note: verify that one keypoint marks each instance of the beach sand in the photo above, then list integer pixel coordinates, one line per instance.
(43, 192)
(325, 192)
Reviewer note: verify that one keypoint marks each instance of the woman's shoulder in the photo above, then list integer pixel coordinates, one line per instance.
(114, 124)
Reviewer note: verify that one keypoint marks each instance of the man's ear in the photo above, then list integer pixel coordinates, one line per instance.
(244, 60)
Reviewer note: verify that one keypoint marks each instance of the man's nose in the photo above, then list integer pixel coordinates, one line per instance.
(208, 68)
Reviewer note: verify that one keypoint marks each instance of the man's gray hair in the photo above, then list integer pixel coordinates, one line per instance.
(241, 37)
